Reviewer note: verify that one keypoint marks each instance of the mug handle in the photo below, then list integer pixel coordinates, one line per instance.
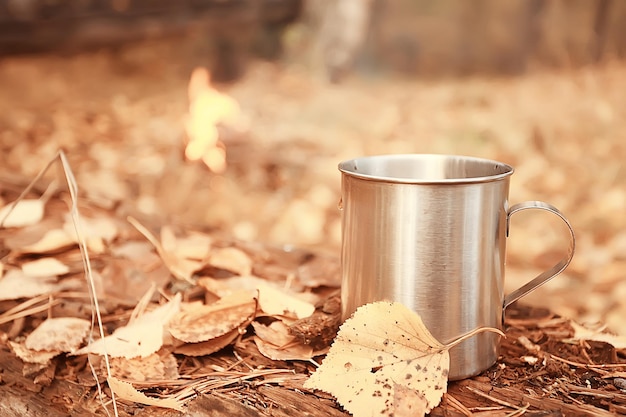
(556, 269)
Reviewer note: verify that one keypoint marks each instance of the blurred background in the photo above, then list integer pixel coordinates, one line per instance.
(232, 115)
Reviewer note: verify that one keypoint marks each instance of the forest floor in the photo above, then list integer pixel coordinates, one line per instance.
(120, 115)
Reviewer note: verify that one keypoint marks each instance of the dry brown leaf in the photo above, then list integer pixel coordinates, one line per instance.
(194, 246)
(180, 268)
(26, 213)
(141, 338)
(583, 333)
(204, 322)
(41, 357)
(383, 346)
(98, 232)
(64, 334)
(53, 240)
(277, 302)
(208, 347)
(126, 391)
(15, 284)
(154, 367)
(44, 267)
(231, 259)
(272, 300)
(275, 342)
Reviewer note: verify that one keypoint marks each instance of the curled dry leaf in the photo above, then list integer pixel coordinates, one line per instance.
(273, 301)
(208, 347)
(63, 334)
(25, 213)
(199, 323)
(275, 342)
(126, 391)
(141, 338)
(384, 361)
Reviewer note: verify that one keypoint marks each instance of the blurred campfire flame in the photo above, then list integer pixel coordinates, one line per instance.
(208, 108)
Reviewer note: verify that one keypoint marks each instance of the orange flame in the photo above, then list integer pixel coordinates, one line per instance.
(207, 109)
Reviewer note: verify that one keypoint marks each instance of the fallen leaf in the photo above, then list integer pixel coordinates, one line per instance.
(180, 268)
(26, 212)
(154, 367)
(53, 240)
(583, 333)
(204, 322)
(408, 402)
(15, 284)
(45, 267)
(275, 342)
(208, 347)
(143, 337)
(41, 357)
(64, 334)
(231, 259)
(272, 300)
(98, 232)
(195, 246)
(383, 356)
(125, 391)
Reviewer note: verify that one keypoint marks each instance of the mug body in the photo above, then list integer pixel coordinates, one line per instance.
(429, 231)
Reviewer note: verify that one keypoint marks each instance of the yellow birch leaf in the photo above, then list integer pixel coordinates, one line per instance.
(385, 362)
(125, 391)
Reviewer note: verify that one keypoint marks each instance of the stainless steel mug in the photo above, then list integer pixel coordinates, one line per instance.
(430, 232)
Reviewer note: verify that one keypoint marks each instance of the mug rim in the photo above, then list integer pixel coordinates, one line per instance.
(349, 166)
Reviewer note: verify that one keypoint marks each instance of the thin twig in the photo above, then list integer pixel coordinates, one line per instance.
(586, 365)
(29, 312)
(519, 411)
(28, 188)
(494, 399)
(457, 405)
(82, 245)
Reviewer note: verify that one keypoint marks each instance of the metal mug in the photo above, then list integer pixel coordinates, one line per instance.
(430, 231)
